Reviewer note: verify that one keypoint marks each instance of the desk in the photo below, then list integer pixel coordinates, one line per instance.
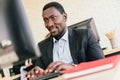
(112, 51)
(109, 69)
(7, 56)
(11, 78)
(106, 52)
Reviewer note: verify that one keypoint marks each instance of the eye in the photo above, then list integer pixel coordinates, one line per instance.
(53, 17)
(46, 20)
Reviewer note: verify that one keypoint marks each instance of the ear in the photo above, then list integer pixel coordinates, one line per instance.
(65, 16)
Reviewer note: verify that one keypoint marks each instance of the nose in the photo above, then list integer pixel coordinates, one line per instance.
(50, 23)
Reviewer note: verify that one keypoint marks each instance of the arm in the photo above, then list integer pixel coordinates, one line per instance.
(94, 50)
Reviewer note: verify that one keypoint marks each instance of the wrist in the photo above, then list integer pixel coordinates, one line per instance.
(74, 65)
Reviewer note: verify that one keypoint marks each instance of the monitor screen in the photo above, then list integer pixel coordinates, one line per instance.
(88, 23)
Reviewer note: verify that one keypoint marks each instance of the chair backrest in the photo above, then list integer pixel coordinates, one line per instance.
(87, 24)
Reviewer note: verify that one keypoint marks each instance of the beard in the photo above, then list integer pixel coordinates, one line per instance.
(57, 31)
(59, 34)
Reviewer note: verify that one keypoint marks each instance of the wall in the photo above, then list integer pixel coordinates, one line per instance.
(105, 13)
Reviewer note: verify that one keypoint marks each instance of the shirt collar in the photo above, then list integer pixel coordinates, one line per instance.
(64, 37)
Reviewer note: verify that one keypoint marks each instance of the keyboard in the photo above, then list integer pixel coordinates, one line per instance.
(49, 76)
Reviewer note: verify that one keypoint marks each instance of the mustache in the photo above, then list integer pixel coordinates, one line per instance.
(51, 27)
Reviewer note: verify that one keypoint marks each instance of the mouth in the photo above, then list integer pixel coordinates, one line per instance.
(53, 29)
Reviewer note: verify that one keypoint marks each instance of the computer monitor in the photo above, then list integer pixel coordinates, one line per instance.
(7, 53)
(19, 30)
(87, 24)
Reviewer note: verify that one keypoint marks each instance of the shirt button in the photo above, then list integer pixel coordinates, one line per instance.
(60, 46)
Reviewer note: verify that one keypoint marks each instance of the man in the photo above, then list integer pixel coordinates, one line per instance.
(65, 47)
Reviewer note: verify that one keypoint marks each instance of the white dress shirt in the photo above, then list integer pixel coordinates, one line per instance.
(61, 51)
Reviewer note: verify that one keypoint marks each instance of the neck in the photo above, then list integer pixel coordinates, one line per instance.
(60, 35)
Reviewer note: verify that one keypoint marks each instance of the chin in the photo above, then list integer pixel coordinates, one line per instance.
(54, 34)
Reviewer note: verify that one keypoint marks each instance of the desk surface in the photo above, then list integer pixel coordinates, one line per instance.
(107, 52)
(11, 78)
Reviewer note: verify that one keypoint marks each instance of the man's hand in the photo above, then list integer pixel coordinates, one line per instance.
(57, 66)
(35, 73)
(52, 67)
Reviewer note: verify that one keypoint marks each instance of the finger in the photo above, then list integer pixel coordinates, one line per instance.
(59, 68)
(27, 75)
(46, 72)
(37, 71)
(63, 67)
(52, 67)
(54, 64)
(30, 74)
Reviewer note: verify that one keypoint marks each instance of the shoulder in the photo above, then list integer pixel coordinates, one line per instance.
(82, 33)
(79, 32)
(45, 42)
(42, 42)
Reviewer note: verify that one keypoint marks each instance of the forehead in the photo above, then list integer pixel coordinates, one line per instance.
(50, 11)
